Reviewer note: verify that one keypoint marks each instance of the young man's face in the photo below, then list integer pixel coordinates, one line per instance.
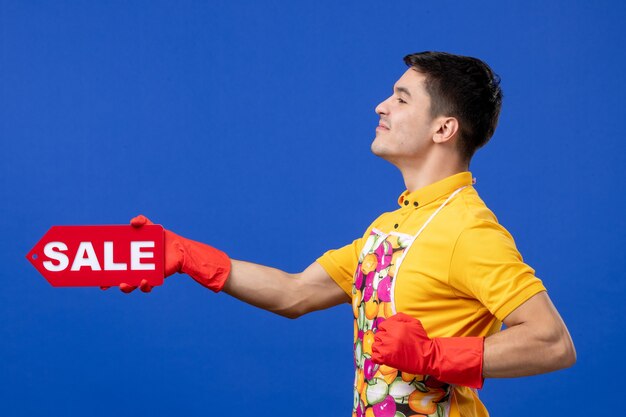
(406, 128)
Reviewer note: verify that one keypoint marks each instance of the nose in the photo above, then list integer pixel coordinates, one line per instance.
(381, 109)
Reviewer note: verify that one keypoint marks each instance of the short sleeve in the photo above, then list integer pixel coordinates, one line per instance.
(486, 265)
(341, 263)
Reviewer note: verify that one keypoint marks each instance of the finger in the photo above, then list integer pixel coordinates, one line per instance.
(379, 344)
(140, 220)
(403, 318)
(382, 327)
(144, 286)
(377, 357)
(398, 318)
(125, 288)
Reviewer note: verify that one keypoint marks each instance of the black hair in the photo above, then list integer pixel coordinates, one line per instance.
(465, 88)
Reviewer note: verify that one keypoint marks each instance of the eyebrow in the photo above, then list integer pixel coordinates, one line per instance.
(402, 90)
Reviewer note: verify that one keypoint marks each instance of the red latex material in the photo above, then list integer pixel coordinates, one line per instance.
(402, 343)
(205, 264)
(100, 255)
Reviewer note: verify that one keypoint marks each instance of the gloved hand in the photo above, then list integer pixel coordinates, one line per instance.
(402, 343)
(207, 265)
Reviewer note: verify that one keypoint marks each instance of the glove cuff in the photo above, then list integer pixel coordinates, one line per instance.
(208, 266)
(459, 360)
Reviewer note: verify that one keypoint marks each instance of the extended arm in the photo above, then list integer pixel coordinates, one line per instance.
(536, 341)
(289, 295)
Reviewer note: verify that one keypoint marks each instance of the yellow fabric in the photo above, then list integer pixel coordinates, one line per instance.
(461, 276)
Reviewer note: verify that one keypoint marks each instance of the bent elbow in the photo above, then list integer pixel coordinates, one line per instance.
(571, 361)
(565, 353)
(290, 314)
(568, 358)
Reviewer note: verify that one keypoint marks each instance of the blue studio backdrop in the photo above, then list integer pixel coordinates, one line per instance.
(247, 125)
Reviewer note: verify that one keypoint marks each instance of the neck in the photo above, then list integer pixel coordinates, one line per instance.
(429, 171)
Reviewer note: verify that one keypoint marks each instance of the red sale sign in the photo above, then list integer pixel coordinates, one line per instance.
(85, 256)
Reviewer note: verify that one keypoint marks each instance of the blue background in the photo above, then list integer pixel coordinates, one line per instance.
(247, 125)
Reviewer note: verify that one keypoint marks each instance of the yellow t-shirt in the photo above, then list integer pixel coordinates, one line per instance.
(461, 276)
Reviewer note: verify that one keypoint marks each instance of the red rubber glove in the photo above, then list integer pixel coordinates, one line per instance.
(207, 265)
(402, 343)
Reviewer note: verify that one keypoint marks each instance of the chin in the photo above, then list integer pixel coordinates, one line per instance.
(376, 147)
(380, 152)
(375, 150)
(379, 149)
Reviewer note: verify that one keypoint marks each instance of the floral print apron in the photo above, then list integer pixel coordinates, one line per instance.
(380, 390)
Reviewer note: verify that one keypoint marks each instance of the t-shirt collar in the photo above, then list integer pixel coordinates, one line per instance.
(434, 191)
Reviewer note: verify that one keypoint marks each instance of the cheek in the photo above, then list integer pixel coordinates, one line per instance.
(413, 136)
(409, 128)
(415, 121)
(417, 125)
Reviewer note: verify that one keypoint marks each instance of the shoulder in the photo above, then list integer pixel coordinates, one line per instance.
(482, 246)
(472, 232)
(475, 219)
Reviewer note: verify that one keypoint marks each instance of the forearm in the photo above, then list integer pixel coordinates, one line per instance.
(289, 295)
(528, 348)
(264, 287)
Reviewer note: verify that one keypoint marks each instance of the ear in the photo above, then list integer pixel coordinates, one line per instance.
(447, 128)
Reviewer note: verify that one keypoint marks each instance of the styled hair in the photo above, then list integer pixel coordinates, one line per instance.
(465, 88)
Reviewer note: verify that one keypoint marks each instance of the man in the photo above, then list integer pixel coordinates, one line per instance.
(430, 283)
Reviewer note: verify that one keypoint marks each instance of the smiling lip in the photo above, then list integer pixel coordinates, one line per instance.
(382, 126)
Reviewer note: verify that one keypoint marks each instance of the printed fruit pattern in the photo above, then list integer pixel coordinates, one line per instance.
(379, 390)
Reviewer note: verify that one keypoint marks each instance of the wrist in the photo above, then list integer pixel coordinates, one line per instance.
(458, 360)
(208, 266)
